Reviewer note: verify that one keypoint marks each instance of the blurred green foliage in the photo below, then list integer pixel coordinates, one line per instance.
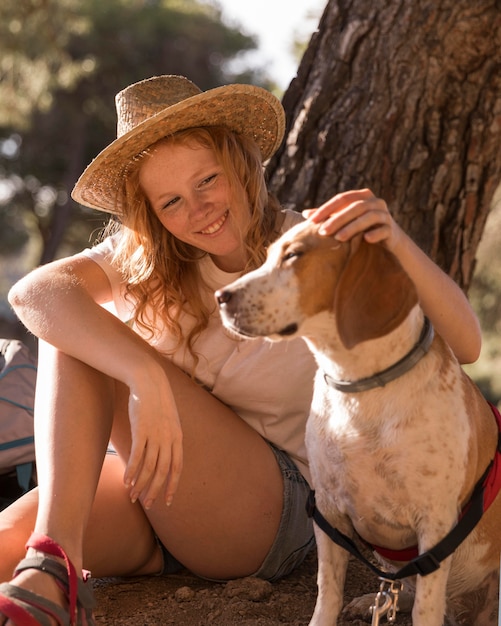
(62, 62)
(35, 58)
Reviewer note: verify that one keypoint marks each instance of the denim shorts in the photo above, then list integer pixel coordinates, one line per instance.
(294, 538)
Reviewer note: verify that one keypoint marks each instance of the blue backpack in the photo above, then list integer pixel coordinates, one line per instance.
(18, 371)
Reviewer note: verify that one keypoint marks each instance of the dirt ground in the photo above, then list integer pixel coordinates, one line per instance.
(184, 600)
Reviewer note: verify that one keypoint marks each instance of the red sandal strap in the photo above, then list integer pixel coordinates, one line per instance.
(45, 544)
(27, 608)
(16, 613)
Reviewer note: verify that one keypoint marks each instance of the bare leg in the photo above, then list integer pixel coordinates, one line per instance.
(73, 417)
(106, 551)
(227, 509)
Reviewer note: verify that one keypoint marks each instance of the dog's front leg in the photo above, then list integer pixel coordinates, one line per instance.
(332, 564)
(430, 598)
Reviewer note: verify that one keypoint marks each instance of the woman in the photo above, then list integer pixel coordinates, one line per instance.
(210, 469)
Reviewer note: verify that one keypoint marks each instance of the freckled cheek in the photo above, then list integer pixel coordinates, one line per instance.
(177, 226)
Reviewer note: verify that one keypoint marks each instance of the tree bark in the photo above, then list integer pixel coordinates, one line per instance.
(52, 236)
(403, 97)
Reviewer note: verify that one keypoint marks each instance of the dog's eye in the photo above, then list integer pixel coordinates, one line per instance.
(292, 254)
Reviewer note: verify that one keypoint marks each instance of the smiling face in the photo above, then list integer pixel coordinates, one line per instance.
(189, 191)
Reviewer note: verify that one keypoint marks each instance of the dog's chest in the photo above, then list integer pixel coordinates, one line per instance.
(382, 463)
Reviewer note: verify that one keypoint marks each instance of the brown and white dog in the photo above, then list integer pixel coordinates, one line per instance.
(395, 463)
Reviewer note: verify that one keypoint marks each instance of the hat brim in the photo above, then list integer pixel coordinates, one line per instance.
(245, 109)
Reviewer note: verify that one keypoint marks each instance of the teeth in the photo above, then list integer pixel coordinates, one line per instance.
(213, 228)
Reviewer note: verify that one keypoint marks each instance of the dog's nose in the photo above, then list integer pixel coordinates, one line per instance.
(223, 296)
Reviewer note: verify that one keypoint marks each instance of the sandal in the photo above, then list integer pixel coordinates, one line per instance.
(27, 608)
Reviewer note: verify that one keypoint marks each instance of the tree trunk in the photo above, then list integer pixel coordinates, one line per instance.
(61, 217)
(403, 97)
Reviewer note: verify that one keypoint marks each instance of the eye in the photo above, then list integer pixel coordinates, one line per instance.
(208, 180)
(170, 204)
(291, 255)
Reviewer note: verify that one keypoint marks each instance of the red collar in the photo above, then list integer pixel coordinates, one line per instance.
(491, 487)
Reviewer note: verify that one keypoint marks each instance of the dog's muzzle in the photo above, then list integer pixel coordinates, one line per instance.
(231, 314)
(240, 317)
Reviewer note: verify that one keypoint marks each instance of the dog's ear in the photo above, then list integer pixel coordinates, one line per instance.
(374, 294)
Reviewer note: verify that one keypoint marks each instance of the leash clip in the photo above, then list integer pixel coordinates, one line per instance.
(386, 601)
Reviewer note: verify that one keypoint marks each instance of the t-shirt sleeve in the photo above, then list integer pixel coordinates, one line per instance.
(102, 254)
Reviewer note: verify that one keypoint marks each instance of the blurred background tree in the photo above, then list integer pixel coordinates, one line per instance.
(403, 98)
(63, 61)
(35, 60)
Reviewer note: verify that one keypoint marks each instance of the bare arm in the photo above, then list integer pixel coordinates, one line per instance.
(353, 212)
(59, 303)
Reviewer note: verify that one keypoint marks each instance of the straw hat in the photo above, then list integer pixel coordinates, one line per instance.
(162, 105)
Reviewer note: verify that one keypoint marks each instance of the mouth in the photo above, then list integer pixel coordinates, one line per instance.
(216, 226)
(291, 329)
(252, 332)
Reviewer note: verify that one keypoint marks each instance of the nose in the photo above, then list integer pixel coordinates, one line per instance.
(199, 206)
(223, 296)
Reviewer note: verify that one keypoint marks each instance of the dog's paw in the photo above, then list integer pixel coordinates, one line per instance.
(360, 608)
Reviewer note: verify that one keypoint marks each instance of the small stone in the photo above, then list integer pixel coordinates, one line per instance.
(184, 594)
(249, 588)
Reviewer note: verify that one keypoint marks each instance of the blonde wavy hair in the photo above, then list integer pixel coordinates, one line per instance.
(161, 272)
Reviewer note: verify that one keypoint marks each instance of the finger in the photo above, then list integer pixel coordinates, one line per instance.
(147, 470)
(352, 219)
(338, 203)
(168, 471)
(158, 477)
(134, 462)
(377, 234)
(308, 212)
(175, 472)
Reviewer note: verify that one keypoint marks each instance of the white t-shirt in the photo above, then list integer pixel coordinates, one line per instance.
(268, 384)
